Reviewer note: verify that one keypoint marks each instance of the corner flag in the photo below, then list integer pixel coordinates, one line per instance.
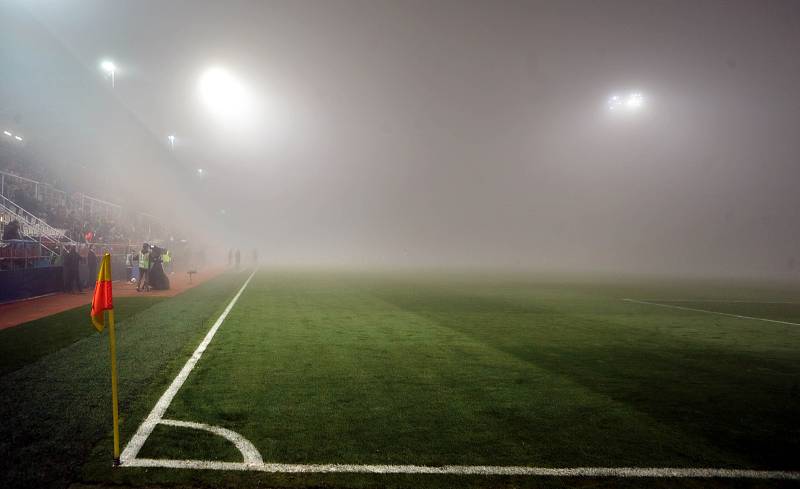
(102, 302)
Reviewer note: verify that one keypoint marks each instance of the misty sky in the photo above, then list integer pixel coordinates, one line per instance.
(447, 133)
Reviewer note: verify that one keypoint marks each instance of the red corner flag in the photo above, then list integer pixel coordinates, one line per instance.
(102, 300)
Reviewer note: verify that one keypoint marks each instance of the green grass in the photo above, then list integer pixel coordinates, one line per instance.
(424, 369)
(421, 370)
(55, 411)
(28, 342)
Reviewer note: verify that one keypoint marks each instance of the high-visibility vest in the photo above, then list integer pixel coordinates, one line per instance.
(166, 258)
(144, 260)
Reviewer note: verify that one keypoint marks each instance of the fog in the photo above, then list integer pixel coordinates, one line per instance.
(464, 134)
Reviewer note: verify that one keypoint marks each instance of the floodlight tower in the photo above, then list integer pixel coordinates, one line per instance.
(110, 68)
(171, 138)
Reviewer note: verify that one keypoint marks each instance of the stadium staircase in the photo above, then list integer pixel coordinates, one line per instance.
(34, 228)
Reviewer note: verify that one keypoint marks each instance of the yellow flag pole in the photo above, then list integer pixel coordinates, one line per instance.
(114, 398)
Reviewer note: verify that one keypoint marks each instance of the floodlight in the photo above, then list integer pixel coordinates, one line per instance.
(634, 101)
(199, 171)
(631, 102)
(222, 93)
(18, 138)
(7, 133)
(108, 66)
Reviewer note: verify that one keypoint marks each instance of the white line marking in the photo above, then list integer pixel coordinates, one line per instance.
(710, 312)
(146, 428)
(247, 449)
(471, 470)
(721, 301)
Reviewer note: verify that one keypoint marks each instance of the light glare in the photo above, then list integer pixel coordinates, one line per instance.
(223, 94)
(631, 102)
(635, 100)
(7, 133)
(108, 66)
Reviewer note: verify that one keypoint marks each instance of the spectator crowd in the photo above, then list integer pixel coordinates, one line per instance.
(82, 218)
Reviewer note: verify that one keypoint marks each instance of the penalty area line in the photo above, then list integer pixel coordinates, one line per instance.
(684, 308)
(653, 472)
(157, 414)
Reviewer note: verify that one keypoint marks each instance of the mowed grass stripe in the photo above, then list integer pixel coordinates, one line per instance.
(28, 342)
(732, 383)
(324, 371)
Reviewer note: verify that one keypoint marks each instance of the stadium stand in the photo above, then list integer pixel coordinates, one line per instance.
(38, 221)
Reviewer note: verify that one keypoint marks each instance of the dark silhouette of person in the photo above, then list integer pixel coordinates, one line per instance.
(11, 231)
(156, 278)
(71, 262)
(91, 263)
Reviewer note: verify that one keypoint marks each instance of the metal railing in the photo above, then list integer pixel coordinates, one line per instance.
(93, 206)
(33, 228)
(24, 255)
(41, 191)
(85, 204)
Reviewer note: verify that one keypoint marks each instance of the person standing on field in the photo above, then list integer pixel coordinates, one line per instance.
(128, 264)
(144, 268)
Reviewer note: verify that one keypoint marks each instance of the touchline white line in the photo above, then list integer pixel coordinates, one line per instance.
(156, 415)
(661, 472)
(683, 308)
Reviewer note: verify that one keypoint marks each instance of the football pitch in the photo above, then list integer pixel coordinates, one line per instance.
(343, 374)
(344, 379)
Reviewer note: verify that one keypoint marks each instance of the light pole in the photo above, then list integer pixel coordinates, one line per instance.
(109, 67)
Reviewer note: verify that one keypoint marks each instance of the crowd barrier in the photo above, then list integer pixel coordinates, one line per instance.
(25, 271)
(23, 284)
